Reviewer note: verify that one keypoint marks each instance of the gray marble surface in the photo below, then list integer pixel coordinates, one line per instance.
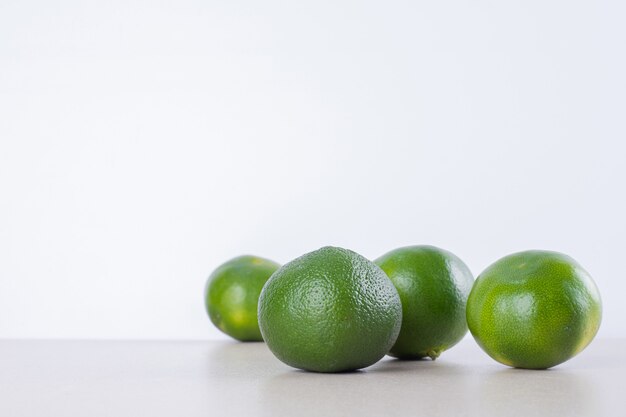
(223, 378)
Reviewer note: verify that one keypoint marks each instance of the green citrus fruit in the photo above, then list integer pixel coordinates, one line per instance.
(534, 309)
(232, 293)
(330, 310)
(433, 285)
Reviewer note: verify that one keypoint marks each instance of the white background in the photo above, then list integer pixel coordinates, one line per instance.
(143, 143)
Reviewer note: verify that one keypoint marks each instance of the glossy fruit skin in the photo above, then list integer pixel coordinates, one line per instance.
(433, 285)
(534, 309)
(232, 292)
(330, 310)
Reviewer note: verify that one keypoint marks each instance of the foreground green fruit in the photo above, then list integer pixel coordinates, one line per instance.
(534, 309)
(330, 310)
(433, 285)
(232, 293)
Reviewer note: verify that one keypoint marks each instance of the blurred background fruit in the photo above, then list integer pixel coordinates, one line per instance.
(232, 293)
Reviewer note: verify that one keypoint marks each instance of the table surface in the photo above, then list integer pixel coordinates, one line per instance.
(223, 378)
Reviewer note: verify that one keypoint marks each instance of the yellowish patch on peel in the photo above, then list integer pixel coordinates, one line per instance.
(503, 360)
(589, 333)
(238, 318)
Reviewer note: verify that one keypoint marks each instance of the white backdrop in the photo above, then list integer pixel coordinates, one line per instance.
(143, 143)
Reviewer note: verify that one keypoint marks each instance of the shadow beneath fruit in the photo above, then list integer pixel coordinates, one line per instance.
(444, 387)
(302, 371)
(377, 390)
(525, 392)
(394, 365)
